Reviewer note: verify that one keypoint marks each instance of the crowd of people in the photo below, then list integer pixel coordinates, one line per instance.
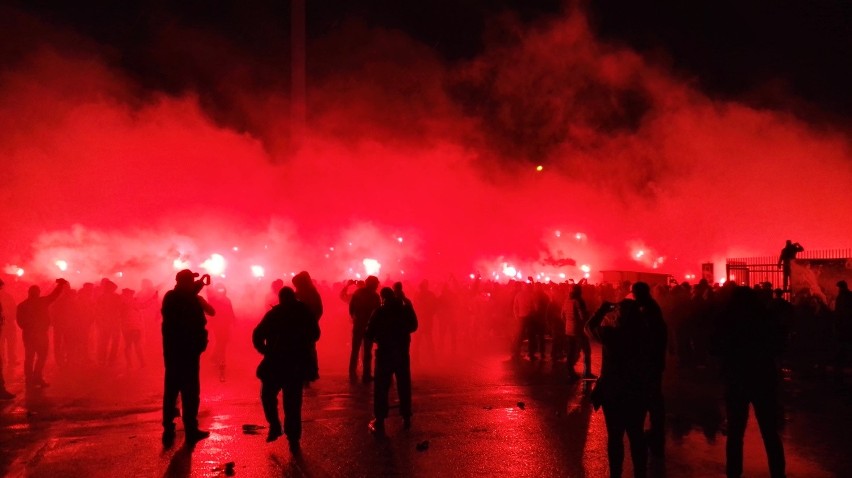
(746, 331)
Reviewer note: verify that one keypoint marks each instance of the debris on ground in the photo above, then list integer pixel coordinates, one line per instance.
(252, 429)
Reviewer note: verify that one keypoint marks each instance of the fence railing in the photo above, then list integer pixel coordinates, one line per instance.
(755, 270)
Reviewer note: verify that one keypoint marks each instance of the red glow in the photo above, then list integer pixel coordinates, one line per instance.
(167, 182)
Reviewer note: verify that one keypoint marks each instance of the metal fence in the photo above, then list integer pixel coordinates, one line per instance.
(755, 270)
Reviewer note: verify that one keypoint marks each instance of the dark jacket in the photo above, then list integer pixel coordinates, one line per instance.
(628, 359)
(748, 339)
(364, 302)
(286, 336)
(184, 322)
(390, 327)
(33, 314)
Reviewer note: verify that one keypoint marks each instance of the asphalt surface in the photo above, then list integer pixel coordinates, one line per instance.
(476, 415)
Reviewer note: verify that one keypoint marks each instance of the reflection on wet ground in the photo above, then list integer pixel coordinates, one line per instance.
(481, 415)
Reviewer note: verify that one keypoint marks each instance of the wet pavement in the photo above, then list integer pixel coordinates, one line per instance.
(476, 416)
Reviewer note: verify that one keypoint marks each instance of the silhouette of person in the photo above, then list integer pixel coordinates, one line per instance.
(307, 293)
(427, 307)
(345, 295)
(623, 388)
(524, 310)
(576, 315)
(4, 394)
(400, 294)
(65, 321)
(788, 254)
(390, 327)
(364, 302)
(9, 333)
(652, 316)
(286, 336)
(222, 325)
(33, 318)
(748, 340)
(108, 322)
(184, 340)
(131, 326)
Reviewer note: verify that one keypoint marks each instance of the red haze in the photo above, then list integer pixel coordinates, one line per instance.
(112, 178)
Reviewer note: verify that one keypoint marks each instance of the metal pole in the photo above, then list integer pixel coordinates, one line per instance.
(298, 89)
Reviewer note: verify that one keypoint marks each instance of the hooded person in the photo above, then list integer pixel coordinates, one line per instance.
(307, 293)
(286, 336)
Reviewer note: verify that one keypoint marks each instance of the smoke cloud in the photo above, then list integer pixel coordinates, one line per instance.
(425, 165)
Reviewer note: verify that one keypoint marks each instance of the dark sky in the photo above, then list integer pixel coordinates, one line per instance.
(786, 54)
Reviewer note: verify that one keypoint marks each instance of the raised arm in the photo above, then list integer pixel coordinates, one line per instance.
(61, 284)
(208, 309)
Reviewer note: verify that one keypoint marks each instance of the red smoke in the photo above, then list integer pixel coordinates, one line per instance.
(111, 177)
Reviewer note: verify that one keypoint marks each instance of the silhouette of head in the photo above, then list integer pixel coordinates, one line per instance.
(302, 280)
(387, 294)
(286, 295)
(576, 292)
(397, 288)
(372, 283)
(185, 277)
(641, 291)
(276, 285)
(33, 292)
(109, 286)
(842, 285)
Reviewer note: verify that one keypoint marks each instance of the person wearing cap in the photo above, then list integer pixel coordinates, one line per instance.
(184, 340)
(34, 320)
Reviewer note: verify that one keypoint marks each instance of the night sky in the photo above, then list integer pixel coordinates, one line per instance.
(792, 55)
